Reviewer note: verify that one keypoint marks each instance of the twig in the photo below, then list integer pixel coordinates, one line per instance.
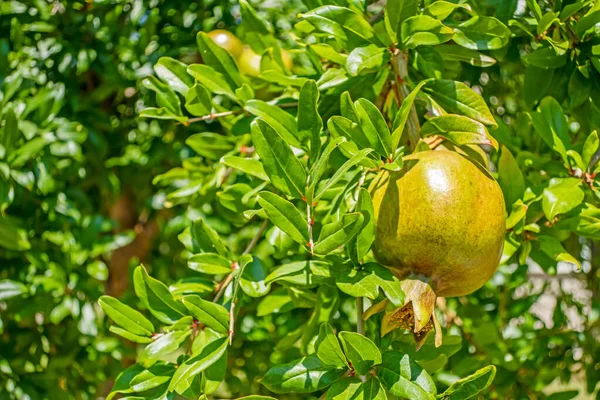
(256, 237)
(228, 113)
(310, 221)
(231, 323)
(214, 116)
(360, 323)
(222, 286)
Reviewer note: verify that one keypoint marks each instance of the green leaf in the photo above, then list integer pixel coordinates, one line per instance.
(430, 357)
(373, 390)
(285, 216)
(361, 244)
(402, 115)
(123, 379)
(174, 73)
(327, 347)
(206, 239)
(256, 32)
(555, 250)
(374, 127)
(214, 81)
(155, 296)
(319, 167)
(396, 12)
(130, 336)
(301, 273)
(10, 134)
(22, 154)
(281, 121)
(545, 57)
(210, 314)
(125, 316)
(253, 279)
(590, 148)
(348, 27)
(209, 355)
(10, 289)
(339, 174)
(452, 52)
(165, 96)
(367, 281)
(12, 237)
(459, 130)
(198, 101)
(429, 62)
(588, 21)
(210, 145)
(219, 59)
(482, 33)
(152, 377)
(344, 127)
(310, 123)
(561, 196)
(214, 375)
(547, 20)
(284, 169)
(471, 386)
(162, 346)
(329, 53)
(405, 378)
(209, 263)
(282, 300)
(336, 234)
(537, 82)
(550, 123)
(305, 375)
(458, 98)
(345, 389)
(510, 177)
(366, 59)
(579, 89)
(161, 113)
(443, 9)
(422, 30)
(361, 351)
(246, 165)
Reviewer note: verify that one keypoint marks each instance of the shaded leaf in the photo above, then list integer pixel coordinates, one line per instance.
(361, 351)
(284, 169)
(305, 375)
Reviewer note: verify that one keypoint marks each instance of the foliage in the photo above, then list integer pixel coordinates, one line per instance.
(261, 189)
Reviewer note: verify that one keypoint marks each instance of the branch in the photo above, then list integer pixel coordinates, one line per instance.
(311, 222)
(360, 323)
(223, 285)
(400, 64)
(228, 113)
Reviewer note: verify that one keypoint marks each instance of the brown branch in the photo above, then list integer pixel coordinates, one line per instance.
(229, 113)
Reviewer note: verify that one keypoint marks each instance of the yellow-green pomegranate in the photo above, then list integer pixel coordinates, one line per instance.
(227, 41)
(440, 225)
(441, 217)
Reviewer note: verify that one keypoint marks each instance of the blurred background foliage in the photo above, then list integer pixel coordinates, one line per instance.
(79, 208)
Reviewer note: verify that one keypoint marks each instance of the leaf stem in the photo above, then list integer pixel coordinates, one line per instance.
(223, 285)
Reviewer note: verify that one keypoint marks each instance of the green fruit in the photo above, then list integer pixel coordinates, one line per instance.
(249, 62)
(227, 41)
(441, 220)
